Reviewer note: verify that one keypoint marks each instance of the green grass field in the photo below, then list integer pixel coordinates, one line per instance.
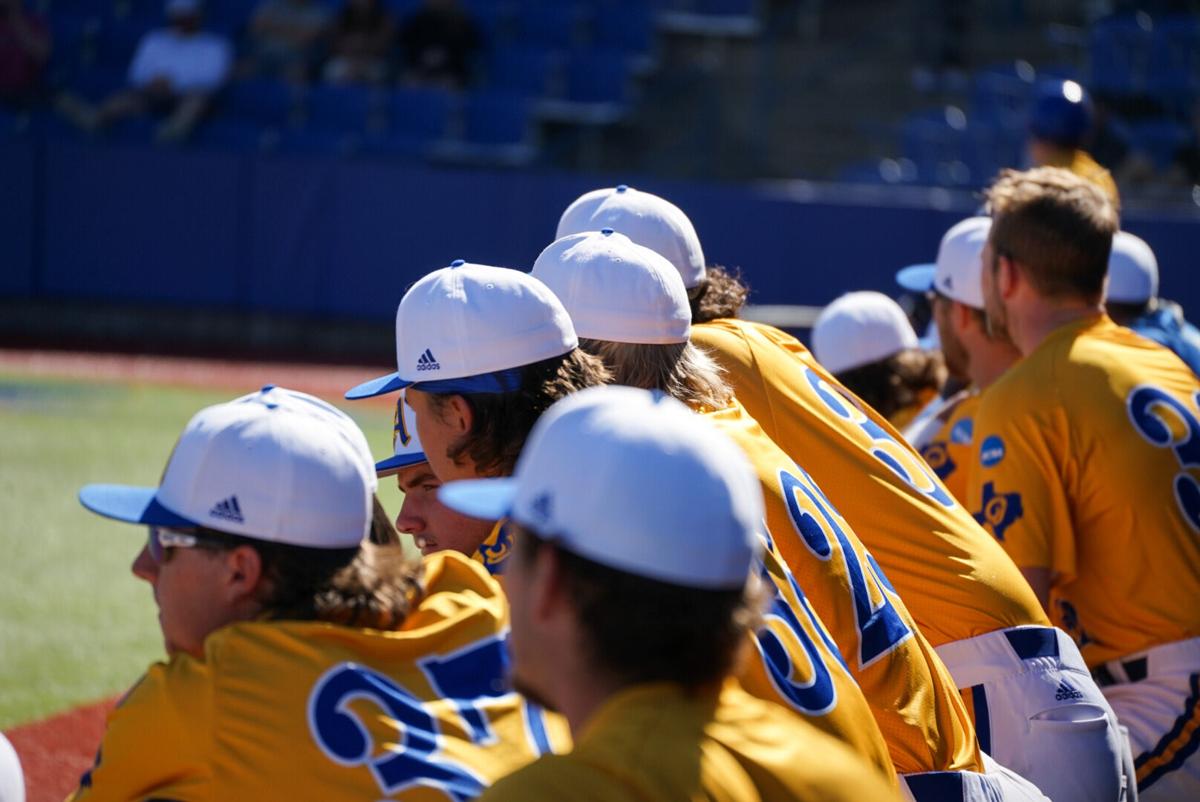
(75, 625)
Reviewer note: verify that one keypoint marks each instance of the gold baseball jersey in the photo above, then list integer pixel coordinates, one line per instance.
(493, 552)
(913, 699)
(1088, 459)
(795, 662)
(1081, 163)
(310, 710)
(799, 667)
(948, 449)
(956, 581)
(657, 742)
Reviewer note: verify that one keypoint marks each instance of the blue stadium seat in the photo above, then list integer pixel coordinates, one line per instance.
(1159, 140)
(340, 108)
(1120, 54)
(259, 100)
(420, 114)
(530, 71)
(710, 17)
(1001, 95)
(879, 171)
(598, 76)
(234, 135)
(98, 82)
(229, 17)
(934, 140)
(119, 39)
(496, 118)
(1174, 67)
(627, 26)
(96, 8)
(493, 17)
(496, 130)
(551, 25)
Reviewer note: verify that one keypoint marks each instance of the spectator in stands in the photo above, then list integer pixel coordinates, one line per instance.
(866, 341)
(285, 35)
(24, 50)
(438, 43)
(1058, 124)
(1133, 300)
(175, 72)
(361, 41)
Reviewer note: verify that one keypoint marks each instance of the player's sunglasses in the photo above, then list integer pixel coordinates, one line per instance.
(162, 538)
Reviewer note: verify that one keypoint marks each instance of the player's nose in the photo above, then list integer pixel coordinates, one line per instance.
(144, 566)
(409, 521)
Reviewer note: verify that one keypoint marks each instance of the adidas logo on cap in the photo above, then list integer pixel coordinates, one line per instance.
(228, 509)
(427, 361)
(1066, 692)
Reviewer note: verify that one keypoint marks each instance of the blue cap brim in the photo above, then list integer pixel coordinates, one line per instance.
(918, 278)
(384, 384)
(136, 505)
(393, 464)
(488, 499)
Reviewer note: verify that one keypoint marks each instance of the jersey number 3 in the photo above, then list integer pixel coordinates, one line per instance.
(1164, 421)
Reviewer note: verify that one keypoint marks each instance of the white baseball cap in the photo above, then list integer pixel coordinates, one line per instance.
(1132, 270)
(406, 445)
(646, 219)
(958, 271)
(12, 780)
(664, 495)
(860, 328)
(468, 328)
(616, 290)
(274, 465)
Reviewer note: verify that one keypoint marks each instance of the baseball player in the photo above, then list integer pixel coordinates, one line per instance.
(1132, 300)
(1087, 455)
(432, 525)
(973, 357)
(484, 305)
(480, 403)
(670, 544)
(304, 661)
(630, 306)
(1059, 123)
(955, 579)
(867, 342)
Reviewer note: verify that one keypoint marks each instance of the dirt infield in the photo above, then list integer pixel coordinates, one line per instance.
(327, 381)
(56, 751)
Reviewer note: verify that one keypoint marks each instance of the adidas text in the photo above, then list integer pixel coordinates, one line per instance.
(1066, 692)
(228, 509)
(427, 361)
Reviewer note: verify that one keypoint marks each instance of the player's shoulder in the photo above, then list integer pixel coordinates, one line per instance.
(554, 777)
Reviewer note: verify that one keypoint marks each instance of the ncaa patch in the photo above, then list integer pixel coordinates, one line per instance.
(963, 432)
(992, 451)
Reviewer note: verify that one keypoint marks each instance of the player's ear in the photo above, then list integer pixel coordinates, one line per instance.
(1008, 276)
(243, 573)
(458, 413)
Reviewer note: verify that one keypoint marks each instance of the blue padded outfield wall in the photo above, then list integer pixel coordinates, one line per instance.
(343, 239)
